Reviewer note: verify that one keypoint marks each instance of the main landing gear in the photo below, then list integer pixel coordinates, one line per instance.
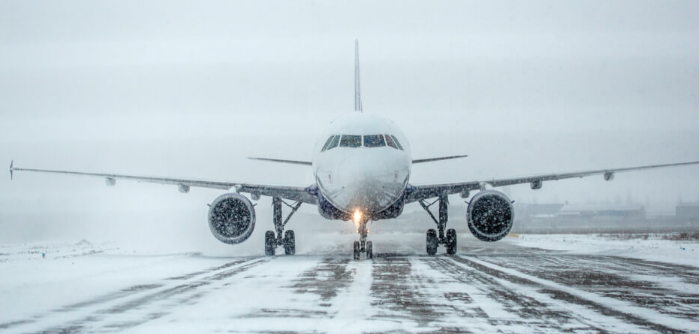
(272, 240)
(436, 238)
(363, 246)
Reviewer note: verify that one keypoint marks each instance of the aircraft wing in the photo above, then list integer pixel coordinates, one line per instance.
(298, 194)
(435, 190)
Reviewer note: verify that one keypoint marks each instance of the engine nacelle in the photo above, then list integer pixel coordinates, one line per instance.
(232, 218)
(490, 215)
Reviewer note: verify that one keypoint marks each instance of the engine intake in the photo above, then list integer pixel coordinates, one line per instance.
(490, 215)
(231, 218)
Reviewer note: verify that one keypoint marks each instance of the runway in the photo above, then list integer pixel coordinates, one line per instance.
(505, 288)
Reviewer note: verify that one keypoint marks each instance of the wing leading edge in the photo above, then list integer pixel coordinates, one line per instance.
(298, 194)
(419, 161)
(308, 163)
(435, 190)
(293, 162)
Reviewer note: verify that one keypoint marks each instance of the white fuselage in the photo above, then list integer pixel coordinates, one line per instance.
(367, 168)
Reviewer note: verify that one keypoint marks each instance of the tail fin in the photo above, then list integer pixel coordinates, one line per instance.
(357, 87)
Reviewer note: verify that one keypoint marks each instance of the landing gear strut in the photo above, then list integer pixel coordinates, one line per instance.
(436, 238)
(363, 246)
(281, 238)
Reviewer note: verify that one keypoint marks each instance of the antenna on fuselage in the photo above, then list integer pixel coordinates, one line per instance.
(357, 87)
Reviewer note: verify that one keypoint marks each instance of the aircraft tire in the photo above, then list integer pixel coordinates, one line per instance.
(289, 243)
(369, 250)
(432, 242)
(356, 250)
(270, 243)
(451, 241)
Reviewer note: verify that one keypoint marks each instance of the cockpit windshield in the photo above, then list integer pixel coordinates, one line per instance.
(390, 142)
(357, 141)
(351, 141)
(400, 147)
(334, 142)
(327, 143)
(374, 141)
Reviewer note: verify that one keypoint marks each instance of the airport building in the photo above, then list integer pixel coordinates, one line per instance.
(614, 212)
(530, 211)
(687, 211)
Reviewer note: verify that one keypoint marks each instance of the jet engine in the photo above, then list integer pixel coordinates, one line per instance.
(490, 215)
(231, 218)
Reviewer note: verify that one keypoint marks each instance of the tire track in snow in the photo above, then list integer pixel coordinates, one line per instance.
(501, 307)
(605, 307)
(121, 294)
(396, 294)
(633, 281)
(166, 296)
(326, 279)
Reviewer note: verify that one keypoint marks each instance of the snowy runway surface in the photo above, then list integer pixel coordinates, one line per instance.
(506, 287)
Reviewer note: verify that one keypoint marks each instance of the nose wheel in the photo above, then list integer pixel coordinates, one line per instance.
(363, 246)
(368, 249)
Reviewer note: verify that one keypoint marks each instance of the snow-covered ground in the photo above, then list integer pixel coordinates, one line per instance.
(654, 248)
(534, 283)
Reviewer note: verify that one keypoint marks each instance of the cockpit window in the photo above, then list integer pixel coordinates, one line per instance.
(350, 141)
(334, 142)
(390, 142)
(327, 143)
(374, 141)
(400, 147)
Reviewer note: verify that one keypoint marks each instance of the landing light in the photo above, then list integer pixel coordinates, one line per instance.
(357, 216)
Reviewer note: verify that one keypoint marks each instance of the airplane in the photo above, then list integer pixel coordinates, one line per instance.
(362, 167)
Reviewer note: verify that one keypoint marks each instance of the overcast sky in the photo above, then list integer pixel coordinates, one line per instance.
(191, 89)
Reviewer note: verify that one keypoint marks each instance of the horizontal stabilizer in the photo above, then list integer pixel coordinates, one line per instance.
(294, 162)
(418, 161)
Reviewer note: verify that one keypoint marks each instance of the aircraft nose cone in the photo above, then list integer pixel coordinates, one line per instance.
(368, 185)
(355, 172)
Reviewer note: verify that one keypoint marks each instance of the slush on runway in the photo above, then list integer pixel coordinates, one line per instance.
(511, 288)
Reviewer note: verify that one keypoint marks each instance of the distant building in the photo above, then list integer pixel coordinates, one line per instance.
(602, 211)
(529, 211)
(687, 211)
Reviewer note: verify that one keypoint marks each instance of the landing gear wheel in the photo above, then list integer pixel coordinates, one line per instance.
(289, 243)
(270, 243)
(369, 250)
(356, 250)
(451, 241)
(432, 242)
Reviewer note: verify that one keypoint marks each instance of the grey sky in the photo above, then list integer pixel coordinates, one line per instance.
(192, 88)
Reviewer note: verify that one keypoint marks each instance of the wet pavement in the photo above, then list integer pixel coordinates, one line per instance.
(504, 289)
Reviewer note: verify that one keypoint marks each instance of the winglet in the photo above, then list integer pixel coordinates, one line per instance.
(357, 87)
(12, 163)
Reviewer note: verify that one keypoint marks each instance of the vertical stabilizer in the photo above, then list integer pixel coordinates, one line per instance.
(357, 87)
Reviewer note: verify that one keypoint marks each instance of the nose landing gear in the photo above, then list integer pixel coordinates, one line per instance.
(363, 246)
(272, 240)
(436, 238)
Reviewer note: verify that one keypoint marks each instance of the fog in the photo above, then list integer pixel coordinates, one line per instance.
(180, 89)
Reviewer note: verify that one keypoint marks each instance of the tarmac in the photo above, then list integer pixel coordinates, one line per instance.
(501, 288)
